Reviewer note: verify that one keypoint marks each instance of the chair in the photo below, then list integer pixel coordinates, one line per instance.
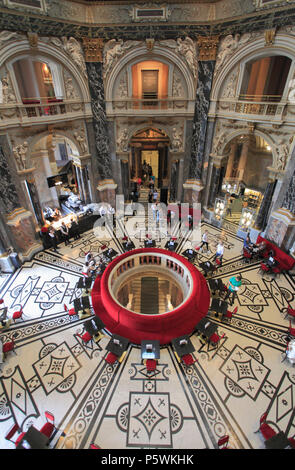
(125, 239)
(223, 442)
(12, 432)
(94, 446)
(266, 430)
(86, 337)
(264, 268)
(228, 316)
(7, 347)
(49, 427)
(111, 358)
(291, 330)
(70, 311)
(290, 311)
(151, 365)
(18, 314)
(188, 359)
(215, 338)
(1, 301)
(103, 247)
(292, 441)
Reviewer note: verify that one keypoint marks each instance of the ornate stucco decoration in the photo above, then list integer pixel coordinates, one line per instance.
(73, 49)
(93, 49)
(229, 90)
(70, 88)
(81, 139)
(229, 45)
(269, 37)
(20, 155)
(33, 39)
(207, 47)
(113, 50)
(122, 141)
(177, 140)
(150, 12)
(282, 154)
(8, 95)
(291, 93)
(186, 49)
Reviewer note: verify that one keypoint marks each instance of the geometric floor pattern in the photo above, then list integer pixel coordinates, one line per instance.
(122, 406)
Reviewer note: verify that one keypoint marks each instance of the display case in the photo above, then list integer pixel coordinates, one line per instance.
(253, 197)
(219, 208)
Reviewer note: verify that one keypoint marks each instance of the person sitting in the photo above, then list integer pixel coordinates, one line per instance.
(259, 249)
(88, 257)
(248, 246)
(271, 262)
(88, 270)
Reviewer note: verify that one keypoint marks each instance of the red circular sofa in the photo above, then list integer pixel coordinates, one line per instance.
(163, 327)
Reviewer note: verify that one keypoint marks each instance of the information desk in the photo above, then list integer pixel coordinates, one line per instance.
(150, 349)
(33, 439)
(183, 345)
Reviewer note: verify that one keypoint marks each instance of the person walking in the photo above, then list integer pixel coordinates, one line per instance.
(53, 239)
(219, 252)
(155, 195)
(234, 284)
(205, 241)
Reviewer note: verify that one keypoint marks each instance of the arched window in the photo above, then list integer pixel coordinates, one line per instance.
(265, 79)
(37, 80)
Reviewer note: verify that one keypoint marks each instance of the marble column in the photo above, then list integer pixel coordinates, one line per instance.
(262, 216)
(93, 49)
(20, 225)
(206, 63)
(231, 157)
(243, 158)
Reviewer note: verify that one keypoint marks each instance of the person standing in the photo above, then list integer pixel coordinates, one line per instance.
(74, 231)
(53, 239)
(234, 284)
(65, 233)
(155, 195)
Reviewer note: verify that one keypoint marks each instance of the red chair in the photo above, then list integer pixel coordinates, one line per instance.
(292, 441)
(266, 430)
(151, 365)
(70, 311)
(264, 268)
(49, 427)
(215, 338)
(291, 330)
(290, 311)
(247, 255)
(9, 346)
(94, 446)
(1, 301)
(223, 442)
(103, 247)
(86, 337)
(125, 239)
(188, 359)
(228, 316)
(111, 358)
(11, 433)
(18, 314)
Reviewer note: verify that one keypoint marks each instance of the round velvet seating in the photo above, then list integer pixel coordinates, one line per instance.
(163, 327)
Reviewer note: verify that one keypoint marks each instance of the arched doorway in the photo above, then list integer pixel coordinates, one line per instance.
(244, 175)
(149, 157)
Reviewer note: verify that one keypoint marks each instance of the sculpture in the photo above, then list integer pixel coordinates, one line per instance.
(176, 140)
(7, 93)
(122, 141)
(73, 48)
(20, 152)
(187, 49)
(82, 140)
(283, 153)
(291, 95)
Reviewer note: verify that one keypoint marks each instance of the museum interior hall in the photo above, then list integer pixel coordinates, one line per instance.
(147, 224)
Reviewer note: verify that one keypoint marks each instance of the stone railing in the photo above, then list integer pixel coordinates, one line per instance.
(266, 110)
(16, 113)
(134, 105)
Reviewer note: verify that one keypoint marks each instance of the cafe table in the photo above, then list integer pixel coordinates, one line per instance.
(279, 441)
(33, 439)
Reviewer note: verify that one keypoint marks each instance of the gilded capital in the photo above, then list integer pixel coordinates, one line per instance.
(93, 49)
(207, 47)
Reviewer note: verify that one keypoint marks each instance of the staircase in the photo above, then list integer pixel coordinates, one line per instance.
(149, 295)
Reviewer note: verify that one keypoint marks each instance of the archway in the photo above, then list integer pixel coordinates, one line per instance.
(244, 175)
(149, 157)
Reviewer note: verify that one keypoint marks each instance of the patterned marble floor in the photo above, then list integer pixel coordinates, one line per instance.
(121, 406)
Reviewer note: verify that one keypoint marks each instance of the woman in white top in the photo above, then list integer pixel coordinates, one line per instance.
(219, 252)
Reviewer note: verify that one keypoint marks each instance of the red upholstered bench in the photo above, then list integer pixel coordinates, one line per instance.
(286, 262)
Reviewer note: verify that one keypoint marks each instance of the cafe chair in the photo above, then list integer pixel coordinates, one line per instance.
(7, 347)
(15, 428)
(263, 269)
(70, 311)
(188, 359)
(86, 337)
(266, 430)
(228, 316)
(290, 312)
(111, 358)
(151, 365)
(223, 442)
(291, 331)
(103, 247)
(215, 338)
(49, 426)
(125, 239)
(94, 446)
(18, 314)
(2, 302)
